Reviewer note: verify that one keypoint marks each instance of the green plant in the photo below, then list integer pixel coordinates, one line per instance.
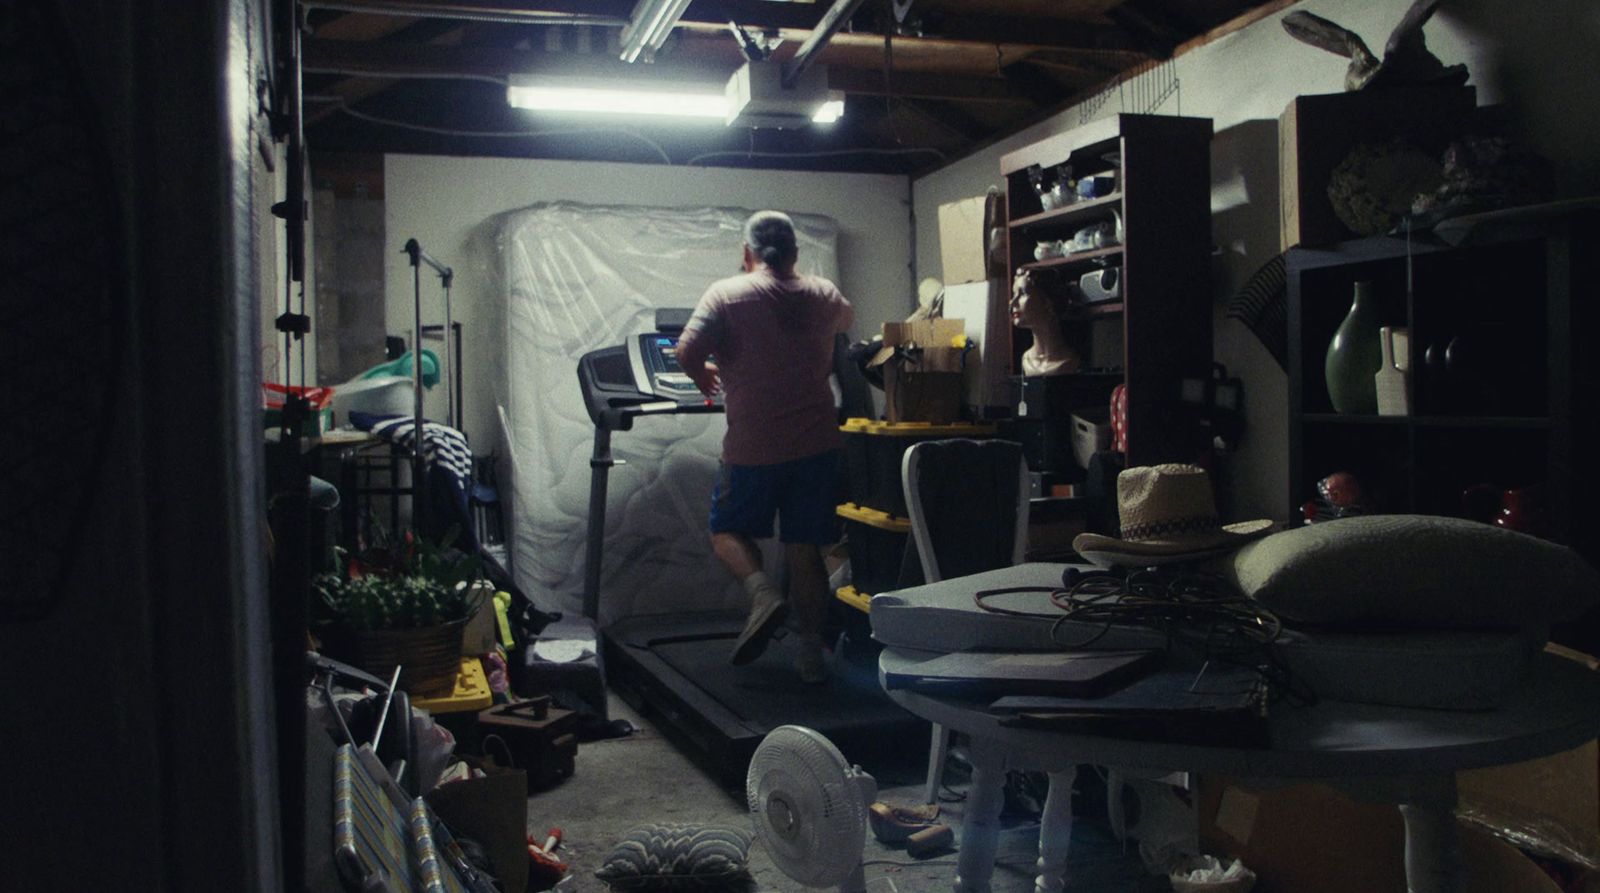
(424, 584)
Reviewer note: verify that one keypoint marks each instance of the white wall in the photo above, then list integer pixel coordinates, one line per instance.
(1242, 82)
(446, 204)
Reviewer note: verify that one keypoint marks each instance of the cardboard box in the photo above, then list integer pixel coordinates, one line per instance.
(922, 364)
(984, 306)
(963, 241)
(1311, 838)
(1552, 804)
(1315, 133)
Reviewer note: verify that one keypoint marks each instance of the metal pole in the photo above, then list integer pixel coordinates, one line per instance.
(599, 470)
(835, 18)
(416, 386)
(450, 360)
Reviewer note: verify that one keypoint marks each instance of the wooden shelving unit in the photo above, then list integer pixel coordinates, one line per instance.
(1160, 330)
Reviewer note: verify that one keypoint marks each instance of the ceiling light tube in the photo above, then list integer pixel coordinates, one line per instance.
(649, 26)
(665, 100)
(829, 112)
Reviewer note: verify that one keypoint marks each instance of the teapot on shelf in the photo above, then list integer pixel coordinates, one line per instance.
(1520, 509)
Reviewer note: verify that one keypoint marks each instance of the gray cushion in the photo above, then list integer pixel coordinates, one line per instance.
(676, 857)
(1414, 572)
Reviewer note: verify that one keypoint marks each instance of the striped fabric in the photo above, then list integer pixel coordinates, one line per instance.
(677, 857)
(441, 444)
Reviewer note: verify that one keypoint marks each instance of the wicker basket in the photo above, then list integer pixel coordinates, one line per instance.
(429, 656)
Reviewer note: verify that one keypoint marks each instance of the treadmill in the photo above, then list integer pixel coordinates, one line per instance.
(674, 667)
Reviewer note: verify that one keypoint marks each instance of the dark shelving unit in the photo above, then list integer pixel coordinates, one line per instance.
(1160, 331)
(1517, 290)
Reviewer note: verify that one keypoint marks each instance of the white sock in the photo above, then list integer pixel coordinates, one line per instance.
(759, 581)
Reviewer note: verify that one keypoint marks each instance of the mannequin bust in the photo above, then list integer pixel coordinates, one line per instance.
(1034, 308)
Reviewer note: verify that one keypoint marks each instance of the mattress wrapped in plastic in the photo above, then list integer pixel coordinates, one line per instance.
(578, 278)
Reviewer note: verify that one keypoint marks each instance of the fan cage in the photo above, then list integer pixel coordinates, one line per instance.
(798, 774)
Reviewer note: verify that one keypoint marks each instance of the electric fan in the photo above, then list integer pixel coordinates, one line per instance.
(810, 808)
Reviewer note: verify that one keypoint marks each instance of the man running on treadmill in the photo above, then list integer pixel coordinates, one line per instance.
(771, 332)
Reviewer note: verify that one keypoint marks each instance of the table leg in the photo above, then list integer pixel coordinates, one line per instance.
(1433, 843)
(980, 826)
(938, 755)
(1055, 832)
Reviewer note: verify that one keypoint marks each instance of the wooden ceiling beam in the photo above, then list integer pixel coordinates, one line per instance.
(958, 123)
(1040, 88)
(379, 60)
(712, 13)
(920, 85)
(369, 59)
(358, 87)
(359, 27)
(1150, 29)
(1060, 33)
(794, 21)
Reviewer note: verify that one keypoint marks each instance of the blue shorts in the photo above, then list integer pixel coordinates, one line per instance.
(800, 492)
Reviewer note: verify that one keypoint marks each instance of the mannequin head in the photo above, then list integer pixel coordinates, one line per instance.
(1032, 306)
(1040, 310)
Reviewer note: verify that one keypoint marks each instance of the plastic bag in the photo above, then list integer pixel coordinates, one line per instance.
(1205, 874)
(432, 745)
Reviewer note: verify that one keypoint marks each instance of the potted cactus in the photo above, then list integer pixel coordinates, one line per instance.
(406, 607)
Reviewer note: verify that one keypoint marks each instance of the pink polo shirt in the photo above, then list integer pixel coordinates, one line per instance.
(773, 344)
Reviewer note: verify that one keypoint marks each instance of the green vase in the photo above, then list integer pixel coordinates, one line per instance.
(1354, 356)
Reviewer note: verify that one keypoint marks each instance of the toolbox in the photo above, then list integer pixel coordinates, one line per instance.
(536, 737)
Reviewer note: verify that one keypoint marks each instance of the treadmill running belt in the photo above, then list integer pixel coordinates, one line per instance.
(675, 667)
(769, 693)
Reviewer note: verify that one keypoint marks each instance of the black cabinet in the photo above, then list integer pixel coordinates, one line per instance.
(1501, 309)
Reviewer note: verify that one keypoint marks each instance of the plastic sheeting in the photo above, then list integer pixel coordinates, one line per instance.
(582, 277)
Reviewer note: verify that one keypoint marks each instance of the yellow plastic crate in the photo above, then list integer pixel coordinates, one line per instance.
(873, 451)
(877, 548)
(860, 601)
(471, 692)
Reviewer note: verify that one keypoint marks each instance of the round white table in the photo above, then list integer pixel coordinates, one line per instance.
(1404, 756)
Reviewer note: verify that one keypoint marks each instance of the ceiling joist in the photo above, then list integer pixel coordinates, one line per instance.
(714, 13)
(365, 59)
(961, 74)
(793, 21)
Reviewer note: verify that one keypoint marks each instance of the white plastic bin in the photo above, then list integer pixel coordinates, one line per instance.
(379, 395)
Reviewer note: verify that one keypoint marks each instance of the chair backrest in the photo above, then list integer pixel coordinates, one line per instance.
(968, 502)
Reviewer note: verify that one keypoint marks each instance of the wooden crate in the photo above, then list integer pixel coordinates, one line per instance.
(1316, 132)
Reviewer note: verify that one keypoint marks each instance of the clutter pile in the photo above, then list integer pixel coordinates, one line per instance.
(915, 827)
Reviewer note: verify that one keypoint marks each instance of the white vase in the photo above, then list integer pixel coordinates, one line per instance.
(1392, 380)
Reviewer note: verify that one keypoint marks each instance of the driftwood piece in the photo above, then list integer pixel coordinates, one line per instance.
(1406, 59)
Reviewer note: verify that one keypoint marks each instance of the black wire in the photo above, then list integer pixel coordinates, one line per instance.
(1188, 607)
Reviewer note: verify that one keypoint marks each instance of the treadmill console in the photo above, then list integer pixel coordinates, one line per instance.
(654, 358)
(639, 377)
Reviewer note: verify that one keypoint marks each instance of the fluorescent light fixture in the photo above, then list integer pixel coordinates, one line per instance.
(649, 26)
(667, 100)
(758, 98)
(829, 112)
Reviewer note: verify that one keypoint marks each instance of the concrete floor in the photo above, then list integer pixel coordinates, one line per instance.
(646, 778)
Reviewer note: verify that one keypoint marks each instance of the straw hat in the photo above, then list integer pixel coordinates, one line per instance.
(1168, 515)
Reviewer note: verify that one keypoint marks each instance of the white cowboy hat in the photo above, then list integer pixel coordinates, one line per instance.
(1168, 514)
